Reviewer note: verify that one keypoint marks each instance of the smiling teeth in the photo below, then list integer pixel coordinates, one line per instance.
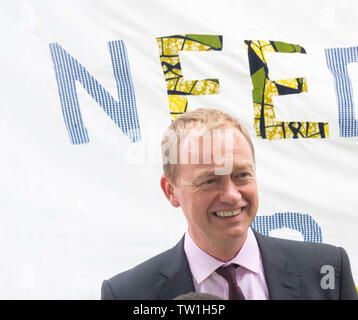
(228, 213)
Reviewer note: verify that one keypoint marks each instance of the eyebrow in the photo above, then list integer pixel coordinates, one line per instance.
(203, 173)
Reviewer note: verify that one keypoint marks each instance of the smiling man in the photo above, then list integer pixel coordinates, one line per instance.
(219, 206)
(210, 173)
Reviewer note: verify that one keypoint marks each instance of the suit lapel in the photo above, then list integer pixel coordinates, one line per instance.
(281, 276)
(176, 270)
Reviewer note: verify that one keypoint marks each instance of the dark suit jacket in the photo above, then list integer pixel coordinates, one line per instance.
(292, 270)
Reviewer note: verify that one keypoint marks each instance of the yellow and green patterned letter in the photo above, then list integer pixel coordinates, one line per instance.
(178, 89)
(267, 127)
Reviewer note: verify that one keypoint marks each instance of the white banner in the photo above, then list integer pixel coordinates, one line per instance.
(88, 88)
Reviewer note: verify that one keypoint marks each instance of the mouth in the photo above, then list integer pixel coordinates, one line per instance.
(227, 213)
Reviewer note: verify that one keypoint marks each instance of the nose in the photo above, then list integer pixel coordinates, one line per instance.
(229, 193)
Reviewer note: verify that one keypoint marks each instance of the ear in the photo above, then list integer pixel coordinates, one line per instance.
(168, 189)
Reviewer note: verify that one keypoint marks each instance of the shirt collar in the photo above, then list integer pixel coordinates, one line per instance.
(202, 265)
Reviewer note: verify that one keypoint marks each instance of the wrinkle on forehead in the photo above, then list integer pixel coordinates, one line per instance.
(204, 145)
(199, 146)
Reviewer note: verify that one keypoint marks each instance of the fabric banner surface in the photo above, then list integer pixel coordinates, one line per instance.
(89, 87)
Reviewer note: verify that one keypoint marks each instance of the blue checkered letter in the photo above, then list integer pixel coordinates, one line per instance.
(123, 112)
(337, 61)
(303, 223)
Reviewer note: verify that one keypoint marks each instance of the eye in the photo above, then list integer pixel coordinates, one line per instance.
(242, 175)
(209, 181)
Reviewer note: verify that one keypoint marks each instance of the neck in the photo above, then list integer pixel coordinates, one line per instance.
(221, 250)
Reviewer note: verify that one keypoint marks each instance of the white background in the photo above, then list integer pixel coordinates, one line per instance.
(74, 215)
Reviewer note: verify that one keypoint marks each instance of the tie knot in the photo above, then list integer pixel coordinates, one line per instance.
(228, 273)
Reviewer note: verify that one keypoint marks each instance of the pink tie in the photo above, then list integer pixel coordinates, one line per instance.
(229, 274)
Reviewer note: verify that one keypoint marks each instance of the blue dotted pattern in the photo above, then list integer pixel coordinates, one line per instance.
(303, 223)
(337, 61)
(123, 112)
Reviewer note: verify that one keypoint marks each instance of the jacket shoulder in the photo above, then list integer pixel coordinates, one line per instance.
(310, 262)
(304, 251)
(138, 283)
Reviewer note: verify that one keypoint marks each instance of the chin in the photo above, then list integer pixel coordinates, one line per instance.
(235, 234)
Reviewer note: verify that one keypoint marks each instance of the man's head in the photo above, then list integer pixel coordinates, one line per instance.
(219, 205)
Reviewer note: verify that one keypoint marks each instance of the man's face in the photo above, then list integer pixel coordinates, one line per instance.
(218, 207)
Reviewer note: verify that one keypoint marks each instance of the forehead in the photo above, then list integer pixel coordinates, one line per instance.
(199, 141)
(200, 151)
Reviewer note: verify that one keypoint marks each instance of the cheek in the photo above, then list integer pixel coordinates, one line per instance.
(197, 201)
(251, 193)
(179, 196)
(186, 199)
(253, 190)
